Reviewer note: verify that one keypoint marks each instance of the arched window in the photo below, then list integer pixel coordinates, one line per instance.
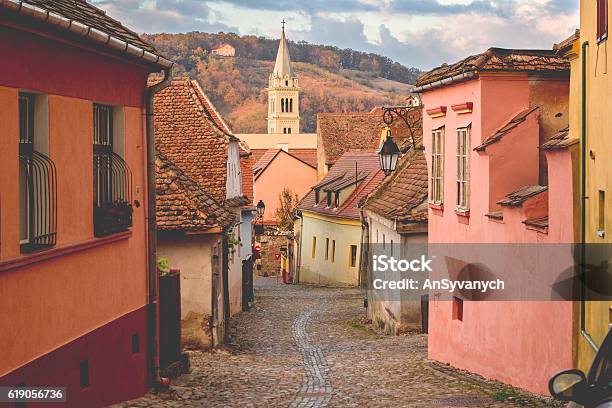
(286, 105)
(291, 105)
(282, 104)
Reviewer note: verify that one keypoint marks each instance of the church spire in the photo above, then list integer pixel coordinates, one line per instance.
(283, 60)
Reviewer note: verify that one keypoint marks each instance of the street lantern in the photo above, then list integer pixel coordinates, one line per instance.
(388, 154)
(261, 209)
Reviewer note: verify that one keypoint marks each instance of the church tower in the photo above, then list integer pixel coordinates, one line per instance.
(283, 93)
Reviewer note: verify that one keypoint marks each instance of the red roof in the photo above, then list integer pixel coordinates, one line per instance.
(308, 156)
(182, 205)
(363, 168)
(246, 171)
(187, 134)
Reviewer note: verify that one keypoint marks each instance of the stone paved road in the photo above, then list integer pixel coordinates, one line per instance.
(302, 346)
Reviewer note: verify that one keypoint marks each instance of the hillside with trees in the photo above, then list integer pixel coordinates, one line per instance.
(333, 80)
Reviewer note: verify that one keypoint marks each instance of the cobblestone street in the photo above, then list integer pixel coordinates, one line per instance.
(302, 346)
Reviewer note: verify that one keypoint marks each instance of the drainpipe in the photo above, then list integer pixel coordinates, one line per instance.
(583, 198)
(153, 276)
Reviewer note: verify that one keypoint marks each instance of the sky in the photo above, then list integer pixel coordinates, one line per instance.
(418, 33)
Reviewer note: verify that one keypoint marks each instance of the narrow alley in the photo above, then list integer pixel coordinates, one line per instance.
(305, 346)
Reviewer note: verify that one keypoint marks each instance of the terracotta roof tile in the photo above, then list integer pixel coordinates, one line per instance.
(308, 156)
(500, 60)
(88, 14)
(182, 205)
(403, 195)
(560, 140)
(538, 222)
(246, 171)
(339, 132)
(518, 197)
(507, 128)
(186, 134)
(348, 165)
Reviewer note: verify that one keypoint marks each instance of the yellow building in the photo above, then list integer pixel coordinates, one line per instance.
(330, 224)
(590, 121)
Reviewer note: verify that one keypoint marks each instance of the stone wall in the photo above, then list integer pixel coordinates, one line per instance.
(270, 245)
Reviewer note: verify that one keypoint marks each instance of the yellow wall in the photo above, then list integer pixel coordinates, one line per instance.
(599, 167)
(345, 233)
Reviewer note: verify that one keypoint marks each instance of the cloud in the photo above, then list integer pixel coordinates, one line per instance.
(162, 15)
(421, 33)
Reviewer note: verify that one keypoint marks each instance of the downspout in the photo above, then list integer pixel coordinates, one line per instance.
(364, 263)
(153, 276)
(299, 256)
(583, 198)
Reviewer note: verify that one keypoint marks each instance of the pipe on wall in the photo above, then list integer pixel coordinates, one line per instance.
(153, 276)
(584, 197)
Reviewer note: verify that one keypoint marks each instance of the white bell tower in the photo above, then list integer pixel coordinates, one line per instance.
(283, 93)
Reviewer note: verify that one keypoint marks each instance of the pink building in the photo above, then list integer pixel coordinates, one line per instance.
(500, 171)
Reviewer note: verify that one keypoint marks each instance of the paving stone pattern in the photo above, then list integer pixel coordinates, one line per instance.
(305, 346)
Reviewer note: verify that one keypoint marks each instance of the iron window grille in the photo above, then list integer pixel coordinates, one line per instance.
(112, 179)
(38, 185)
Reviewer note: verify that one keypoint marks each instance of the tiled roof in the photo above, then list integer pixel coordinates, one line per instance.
(186, 134)
(182, 205)
(538, 222)
(500, 60)
(267, 158)
(83, 12)
(246, 171)
(560, 140)
(518, 197)
(566, 44)
(403, 195)
(308, 156)
(507, 128)
(348, 166)
(340, 132)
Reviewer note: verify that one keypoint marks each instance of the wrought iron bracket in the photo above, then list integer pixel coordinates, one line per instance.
(410, 115)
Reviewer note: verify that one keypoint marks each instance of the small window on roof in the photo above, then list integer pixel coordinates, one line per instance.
(329, 193)
(317, 196)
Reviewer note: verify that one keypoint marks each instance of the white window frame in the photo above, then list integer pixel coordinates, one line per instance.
(463, 168)
(436, 194)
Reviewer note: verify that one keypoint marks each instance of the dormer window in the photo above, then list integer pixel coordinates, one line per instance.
(337, 199)
(329, 198)
(317, 196)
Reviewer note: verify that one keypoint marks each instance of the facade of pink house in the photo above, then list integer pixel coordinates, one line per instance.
(509, 103)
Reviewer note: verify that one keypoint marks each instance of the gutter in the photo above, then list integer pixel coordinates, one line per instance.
(77, 28)
(465, 76)
(153, 277)
(583, 199)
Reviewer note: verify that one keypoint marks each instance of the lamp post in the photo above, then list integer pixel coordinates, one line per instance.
(411, 115)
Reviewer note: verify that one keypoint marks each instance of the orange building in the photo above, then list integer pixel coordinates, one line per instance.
(75, 291)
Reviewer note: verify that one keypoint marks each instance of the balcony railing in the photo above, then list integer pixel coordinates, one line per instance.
(40, 193)
(112, 194)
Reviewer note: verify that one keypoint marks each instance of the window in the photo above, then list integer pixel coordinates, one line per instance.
(291, 105)
(457, 308)
(602, 20)
(314, 247)
(285, 130)
(437, 167)
(37, 176)
(333, 255)
(84, 373)
(289, 130)
(463, 168)
(329, 199)
(337, 199)
(282, 104)
(327, 249)
(391, 247)
(112, 177)
(317, 196)
(286, 83)
(353, 256)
